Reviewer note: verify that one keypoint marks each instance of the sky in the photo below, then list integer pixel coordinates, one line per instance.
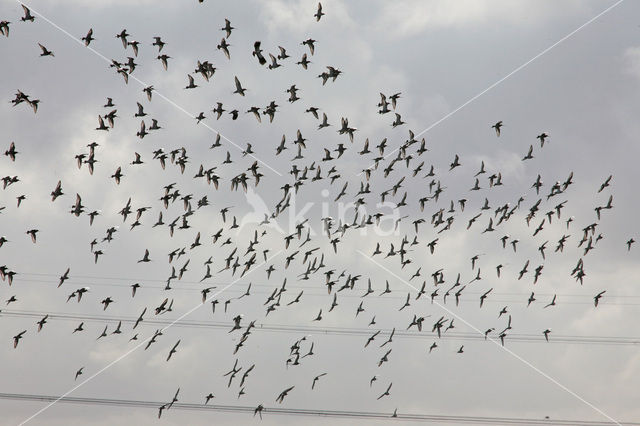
(460, 67)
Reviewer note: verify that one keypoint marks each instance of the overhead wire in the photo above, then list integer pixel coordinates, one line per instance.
(319, 291)
(335, 331)
(280, 411)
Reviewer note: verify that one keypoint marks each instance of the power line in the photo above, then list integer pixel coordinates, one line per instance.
(278, 411)
(319, 291)
(337, 331)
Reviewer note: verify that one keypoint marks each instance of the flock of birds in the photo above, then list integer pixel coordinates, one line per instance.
(389, 170)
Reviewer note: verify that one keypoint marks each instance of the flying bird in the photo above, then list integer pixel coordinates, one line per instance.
(497, 127)
(319, 14)
(45, 51)
(239, 89)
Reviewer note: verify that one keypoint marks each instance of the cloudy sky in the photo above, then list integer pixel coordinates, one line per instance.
(460, 67)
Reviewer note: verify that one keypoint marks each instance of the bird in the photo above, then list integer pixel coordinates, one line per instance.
(398, 121)
(224, 46)
(106, 302)
(148, 90)
(164, 59)
(605, 184)
(64, 277)
(174, 399)
(134, 289)
(45, 51)
(32, 233)
(257, 52)
(11, 152)
(542, 137)
(173, 350)
(531, 299)
(258, 410)
(27, 14)
(123, 37)
(629, 242)
(191, 84)
(497, 127)
(283, 394)
(42, 322)
(88, 38)
(455, 163)
(145, 258)
(386, 393)
(158, 42)
(101, 125)
(134, 45)
(484, 296)
(319, 14)
(283, 53)
(552, 303)
(529, 154)
(227, 28)
(17, 337)
(4, 28)
(117, 175)
(239, 89)
(315, 379)
(143, 130)
(304, 62)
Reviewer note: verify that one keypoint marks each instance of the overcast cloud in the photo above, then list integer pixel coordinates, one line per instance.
(438, 54)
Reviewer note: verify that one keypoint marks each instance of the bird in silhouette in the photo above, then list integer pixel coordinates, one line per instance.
(27, 14)
(497, 127)
(239, 89)
(17, 337)
(319, 14)
(45, 51)
(88, 38)
(173, 350)
(386, 393)
(283, 394)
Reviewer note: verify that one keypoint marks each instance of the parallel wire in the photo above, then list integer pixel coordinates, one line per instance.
(277, 411)
(198, 285)
(127, 353)
(338, 331)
